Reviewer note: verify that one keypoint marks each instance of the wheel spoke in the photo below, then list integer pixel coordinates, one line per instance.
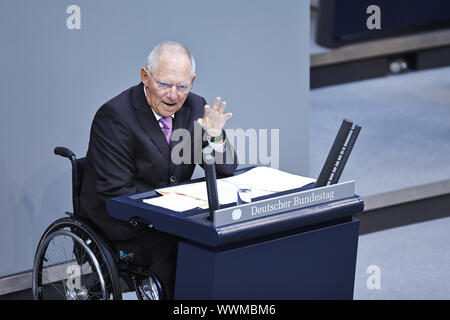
(54, 286)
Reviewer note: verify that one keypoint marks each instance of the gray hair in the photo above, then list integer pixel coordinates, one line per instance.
(153, 57)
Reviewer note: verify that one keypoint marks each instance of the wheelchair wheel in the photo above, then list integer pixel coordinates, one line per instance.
(72, 262)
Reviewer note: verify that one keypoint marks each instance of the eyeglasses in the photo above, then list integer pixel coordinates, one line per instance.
(163, 85)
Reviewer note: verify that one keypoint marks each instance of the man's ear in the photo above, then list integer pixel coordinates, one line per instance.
(144, 77)
(192, 82)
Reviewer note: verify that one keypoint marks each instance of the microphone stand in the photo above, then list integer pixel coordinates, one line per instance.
(211, 182)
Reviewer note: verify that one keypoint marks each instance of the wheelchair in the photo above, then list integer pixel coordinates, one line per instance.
(73, 261)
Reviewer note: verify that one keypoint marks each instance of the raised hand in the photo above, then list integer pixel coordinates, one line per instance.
(214, 119)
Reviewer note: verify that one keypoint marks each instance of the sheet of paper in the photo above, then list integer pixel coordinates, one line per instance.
(226, 191)
(176, 202)
(263, 180)
(269, 179)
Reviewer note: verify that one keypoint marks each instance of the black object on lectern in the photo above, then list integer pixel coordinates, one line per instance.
(211, 182)
(339, 153)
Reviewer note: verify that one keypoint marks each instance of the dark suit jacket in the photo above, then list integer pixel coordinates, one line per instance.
(128, 153)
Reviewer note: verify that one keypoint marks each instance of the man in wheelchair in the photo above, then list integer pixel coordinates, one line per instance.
(130, 150)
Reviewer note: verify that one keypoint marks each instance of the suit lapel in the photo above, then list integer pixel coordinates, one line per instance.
(147, 120)
(182, 117)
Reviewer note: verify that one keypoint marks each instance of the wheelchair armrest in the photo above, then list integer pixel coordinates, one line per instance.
(64, 152)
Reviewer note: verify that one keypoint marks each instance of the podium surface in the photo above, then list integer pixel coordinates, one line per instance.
(302, 251)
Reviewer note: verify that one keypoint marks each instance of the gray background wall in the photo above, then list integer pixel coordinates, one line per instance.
(252, 53)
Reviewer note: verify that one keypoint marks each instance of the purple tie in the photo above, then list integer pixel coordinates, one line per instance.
(167, 124)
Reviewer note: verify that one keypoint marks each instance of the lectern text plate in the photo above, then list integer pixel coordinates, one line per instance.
(293, 201)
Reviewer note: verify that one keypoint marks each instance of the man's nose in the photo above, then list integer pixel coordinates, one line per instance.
(173, 93)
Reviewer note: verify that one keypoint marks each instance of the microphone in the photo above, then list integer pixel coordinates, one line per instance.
(211, 183)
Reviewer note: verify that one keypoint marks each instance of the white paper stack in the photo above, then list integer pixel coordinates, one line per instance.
(263, 181)
(176, 202)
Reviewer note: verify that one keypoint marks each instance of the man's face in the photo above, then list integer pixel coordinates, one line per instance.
(174, 69)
